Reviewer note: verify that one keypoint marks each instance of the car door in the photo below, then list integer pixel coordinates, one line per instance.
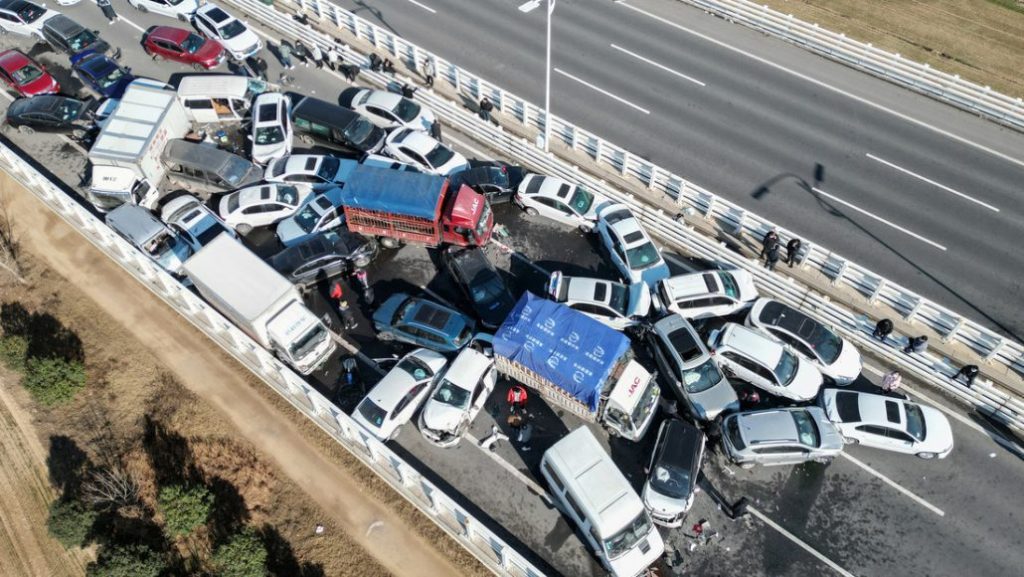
(872, 436)
(406, 407)
(383, 117)
(13, 24)
(170, 49)
(782, 455)
(555, 210)
(330, 219)
(414, 157)
(899, 440)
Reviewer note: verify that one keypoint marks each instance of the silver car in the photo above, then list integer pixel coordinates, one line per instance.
(687, 369)
(780, 437)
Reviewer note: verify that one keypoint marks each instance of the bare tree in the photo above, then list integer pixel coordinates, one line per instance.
(10, 247)
(111, 487)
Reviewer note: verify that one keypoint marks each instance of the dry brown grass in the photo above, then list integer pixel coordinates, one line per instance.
(981, 40)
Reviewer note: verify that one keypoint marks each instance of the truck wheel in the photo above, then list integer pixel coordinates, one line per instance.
(530, 211)
(388, 242)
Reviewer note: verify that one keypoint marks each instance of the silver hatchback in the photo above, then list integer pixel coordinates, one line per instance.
(780, 437)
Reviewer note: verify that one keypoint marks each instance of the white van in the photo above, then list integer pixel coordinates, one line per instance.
(209, 98)
(597, 497)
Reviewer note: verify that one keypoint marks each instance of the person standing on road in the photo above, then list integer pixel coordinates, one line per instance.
(284, 51)
(429, 72)
(301, 52)
(435, 130)
(916, 345)
(408, 91)
(333, 58)
(318, 56)
(108, 11)
(771, 238)
(967, 374)
(516, 398)
(792, 250)
(882, 330)
(375, 62)
(892, 381)
(485, 109)
(772, 258)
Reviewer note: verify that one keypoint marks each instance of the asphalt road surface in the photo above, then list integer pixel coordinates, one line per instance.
(916, 191)
(868, 513)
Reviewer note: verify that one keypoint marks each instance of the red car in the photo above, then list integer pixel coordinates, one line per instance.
(26, 76)
(183, 46)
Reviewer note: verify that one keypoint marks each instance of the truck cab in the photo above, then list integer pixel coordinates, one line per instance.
(113, 186)
(467, 218)
(299, 337)
(630, 406)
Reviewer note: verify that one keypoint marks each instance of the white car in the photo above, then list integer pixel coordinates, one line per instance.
(458, 398)
(631, 250)
(317, 170)
(611, 303)
(271, 127)
(554, 198)
(394, 400)
(706, 294)
(888, 423)
(261, 205)
(24, 18)
(387, 109)
(180, 9)
(319, 212)
(236, 38)
(834, 356)
(764, 363)
(196, 223)
(422, 151)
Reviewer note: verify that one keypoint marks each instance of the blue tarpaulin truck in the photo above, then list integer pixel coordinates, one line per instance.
(578, 364)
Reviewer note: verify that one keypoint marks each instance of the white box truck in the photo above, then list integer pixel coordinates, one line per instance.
(261, 302)
(126, 164)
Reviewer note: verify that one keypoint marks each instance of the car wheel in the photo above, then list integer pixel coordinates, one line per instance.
(385, 337)
(243, 229)
(530, 211)
(928, 456)
(141, 8)
(198, 67)
(851, 441)
(78, 133)
(361, 262)
(24, 129)
(746, 466)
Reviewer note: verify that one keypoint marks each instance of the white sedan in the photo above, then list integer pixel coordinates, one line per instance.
(196, 223)
(394, 400)
(888, 423)
(458, 398)
(387, 109)
(236, 38)
(321, 171)
(632, 251)
(261, 205)
(424, 152)
(554, 198)
(611, 303)
(271, 127)
(180, 9)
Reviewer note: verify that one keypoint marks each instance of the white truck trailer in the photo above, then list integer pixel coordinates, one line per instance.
(261, 302)
(125, 158)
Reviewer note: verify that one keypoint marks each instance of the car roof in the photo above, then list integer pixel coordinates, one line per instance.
(323, 112)
(681, 445)
(693, 284)
(880, 410)
(751, 343)
(417, 140)
(768, 426)
(467, 368)
(178, 207)
(63, 25)
(135, 222)
(215, 13)
(269, 101)
(550, 186)
(429, 314)
(392, 388)
(588, 289)
(169, 33)
(383, 99)
(469, 261)
(258, 194)
(787, 318)
(39, 103)
(13, 57)
(681, 336)
(15, 5)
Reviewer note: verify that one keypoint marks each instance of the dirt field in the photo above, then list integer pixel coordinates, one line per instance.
(981, 40)
(219, 421)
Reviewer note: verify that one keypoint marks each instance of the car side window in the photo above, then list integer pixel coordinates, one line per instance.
(554, 476)
(872, 429)
(898, 435)
(406, 400)
(574, 506)
(591, 309)
(619, 253)
(779, 450)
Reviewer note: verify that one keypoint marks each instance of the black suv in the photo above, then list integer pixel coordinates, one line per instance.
(315, 119)
(67, 36)
(482, 284)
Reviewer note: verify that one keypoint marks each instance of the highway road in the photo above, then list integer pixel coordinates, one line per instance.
(866, 516)
(917, 191)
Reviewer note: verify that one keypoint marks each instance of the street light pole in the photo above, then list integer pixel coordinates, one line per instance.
(547, 87)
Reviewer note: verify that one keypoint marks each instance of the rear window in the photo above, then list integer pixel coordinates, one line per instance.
(372, 413)
(617, 216)
(683, 342)
(732, 429)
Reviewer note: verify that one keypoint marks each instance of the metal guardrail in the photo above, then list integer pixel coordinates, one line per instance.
(949, 88)
(997, 404)
(488, 548)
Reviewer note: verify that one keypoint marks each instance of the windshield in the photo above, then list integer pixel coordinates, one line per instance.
(581, 200)
(645, 405)
(702, 378)
(308, 342)
(439, 156)
(30, 12)
(193, 43)
(915, 421)
(371, 412)
(407, 110)
(269, 135)
(329, 166)
(621, 542)
(481, 225)
(806, 430)
(415, 368)
(112, 78)
(231, 29)
(26, 74)
(619, 298)
(785, 371)
(729, 285)
(236, 170)
(287, 195)
(450, 394)
(643, 256)
(233, 201)
(670, 481)
(82, 40)
(358, 131)
(307, 218)
(70, 109)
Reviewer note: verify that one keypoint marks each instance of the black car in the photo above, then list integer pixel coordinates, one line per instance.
(52, 113)
(66, 35)
(324, 256)
(673, 472)
(497, 181)
(317, 120)
(482, 284)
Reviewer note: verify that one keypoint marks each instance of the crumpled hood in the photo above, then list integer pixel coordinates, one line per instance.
(441, 417)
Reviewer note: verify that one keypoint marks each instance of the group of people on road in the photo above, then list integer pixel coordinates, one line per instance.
(771, 250)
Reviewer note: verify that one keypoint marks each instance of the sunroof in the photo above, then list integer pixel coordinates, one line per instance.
(563, 191)
(892, 411)
(633, 236)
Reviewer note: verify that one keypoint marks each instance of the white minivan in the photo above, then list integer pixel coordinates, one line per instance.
(210, 98)
(592, 492)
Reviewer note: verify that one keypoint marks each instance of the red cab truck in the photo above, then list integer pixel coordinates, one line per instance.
(409, 207)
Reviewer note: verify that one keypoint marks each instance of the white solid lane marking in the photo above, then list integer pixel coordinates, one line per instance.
(533, 485)
(932, 182)
(817, 82)
(879, 219)
(127, 21)
(423, 6)
(764, 518)
(662, 66)
(528, 7)
(601, 90)
(894, 484)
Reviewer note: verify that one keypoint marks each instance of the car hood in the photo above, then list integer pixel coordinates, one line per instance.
(289, 232)
(938, 435)
(655, 273)
(847, 367)
(745, 284)
(438, 416)
(243, 41)
(663, 505)
(715, 401)
(805, 384)
(831, 437)
(636, 560)
(639, 300)
(210, 51)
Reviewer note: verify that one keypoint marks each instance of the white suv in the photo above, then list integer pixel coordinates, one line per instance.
(612, 303)
(706, 294)
(236, 38)
(764, 363)
(24, 17)
(271, 127)
(631, 249)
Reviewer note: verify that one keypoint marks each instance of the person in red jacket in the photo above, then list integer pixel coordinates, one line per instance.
(516, 398)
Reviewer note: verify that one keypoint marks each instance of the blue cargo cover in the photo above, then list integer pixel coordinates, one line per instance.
(564, 346)
(388, 190)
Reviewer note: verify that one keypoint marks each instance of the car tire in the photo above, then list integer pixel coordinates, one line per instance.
(141, 8)
(385, 337)
(530, 211)
(927, 456)
(851, 441)
(25, 129)
(361, 262)
(198, 67)
(243, 229)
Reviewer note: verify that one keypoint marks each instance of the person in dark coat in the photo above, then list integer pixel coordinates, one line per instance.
(771, 238)
(882, 330)
(301, 52)
(435, 130)
(388, 67)
(408, 91)
(792, 250)
(108, 11)
(350, 71)
(916, 345)
(967, 374)
(485, 109)
(772, 258)
(375, 62)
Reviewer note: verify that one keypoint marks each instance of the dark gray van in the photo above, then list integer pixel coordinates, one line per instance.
(204, 168)
(67, 36)
(317, 120)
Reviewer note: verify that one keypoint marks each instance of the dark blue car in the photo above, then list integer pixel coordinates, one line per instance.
(422, 323)
(101, 73)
